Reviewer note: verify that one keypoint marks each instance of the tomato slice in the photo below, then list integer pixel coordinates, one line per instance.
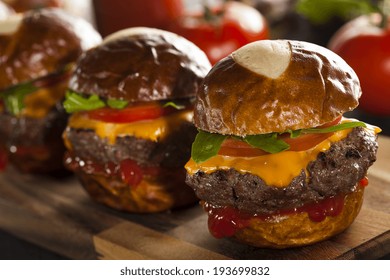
(237, 148)
(137, 112)
(332, 123)
(305, 141)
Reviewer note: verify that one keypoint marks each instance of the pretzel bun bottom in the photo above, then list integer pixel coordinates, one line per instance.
(152, 195)
(298, 229)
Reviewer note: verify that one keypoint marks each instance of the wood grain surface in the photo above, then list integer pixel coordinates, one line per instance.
(59, 216)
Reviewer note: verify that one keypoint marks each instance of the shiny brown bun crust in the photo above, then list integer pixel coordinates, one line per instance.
(298, 230)
(45, 42)
(145, 65)
(316, 87)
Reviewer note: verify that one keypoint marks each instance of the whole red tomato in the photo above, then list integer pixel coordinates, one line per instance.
(25, 5)
(114, 15)
(224, 30)
(365, 46)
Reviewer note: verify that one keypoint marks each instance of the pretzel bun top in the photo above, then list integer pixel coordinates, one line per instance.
(41, 42)
(141, 64)
(274, 86)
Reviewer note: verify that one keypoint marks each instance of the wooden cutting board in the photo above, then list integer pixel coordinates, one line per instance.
(59, 216)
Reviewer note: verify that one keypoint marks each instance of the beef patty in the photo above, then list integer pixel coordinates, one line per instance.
(35, 144)
(27, 131)
(171, 152)
(338, 170)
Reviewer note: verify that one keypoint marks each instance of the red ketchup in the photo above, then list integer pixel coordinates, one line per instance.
(128, 170)
(225, 221)
(363, 182)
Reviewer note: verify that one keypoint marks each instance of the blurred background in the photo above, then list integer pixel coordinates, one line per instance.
(357, 30)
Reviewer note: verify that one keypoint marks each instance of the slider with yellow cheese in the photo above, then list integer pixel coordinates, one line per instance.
(131, 130)
(275, 163)
(37, 52)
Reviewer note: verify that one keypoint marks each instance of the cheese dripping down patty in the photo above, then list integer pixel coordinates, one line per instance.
(154, 130)
(276, 170)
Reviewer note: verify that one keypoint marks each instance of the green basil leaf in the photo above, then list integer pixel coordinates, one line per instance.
(206, 145)
(267, 142)
(174, 105)
(294, 133)
(334, 128)
(117, 104)
(75, 102)
(14, 97)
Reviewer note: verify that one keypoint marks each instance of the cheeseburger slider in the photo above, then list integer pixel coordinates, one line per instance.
(131, 128)
(37, 52)
(275, 163)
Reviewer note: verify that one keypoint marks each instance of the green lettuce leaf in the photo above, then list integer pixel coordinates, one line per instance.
(14, 97)
(74, 102)
(174, 105)
(206, 145)
(334, 128)
(294, 133)
(117, 104)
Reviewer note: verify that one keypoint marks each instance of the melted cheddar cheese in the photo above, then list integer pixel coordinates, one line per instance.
(154, 130)
(39, 103)
(275, 169)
